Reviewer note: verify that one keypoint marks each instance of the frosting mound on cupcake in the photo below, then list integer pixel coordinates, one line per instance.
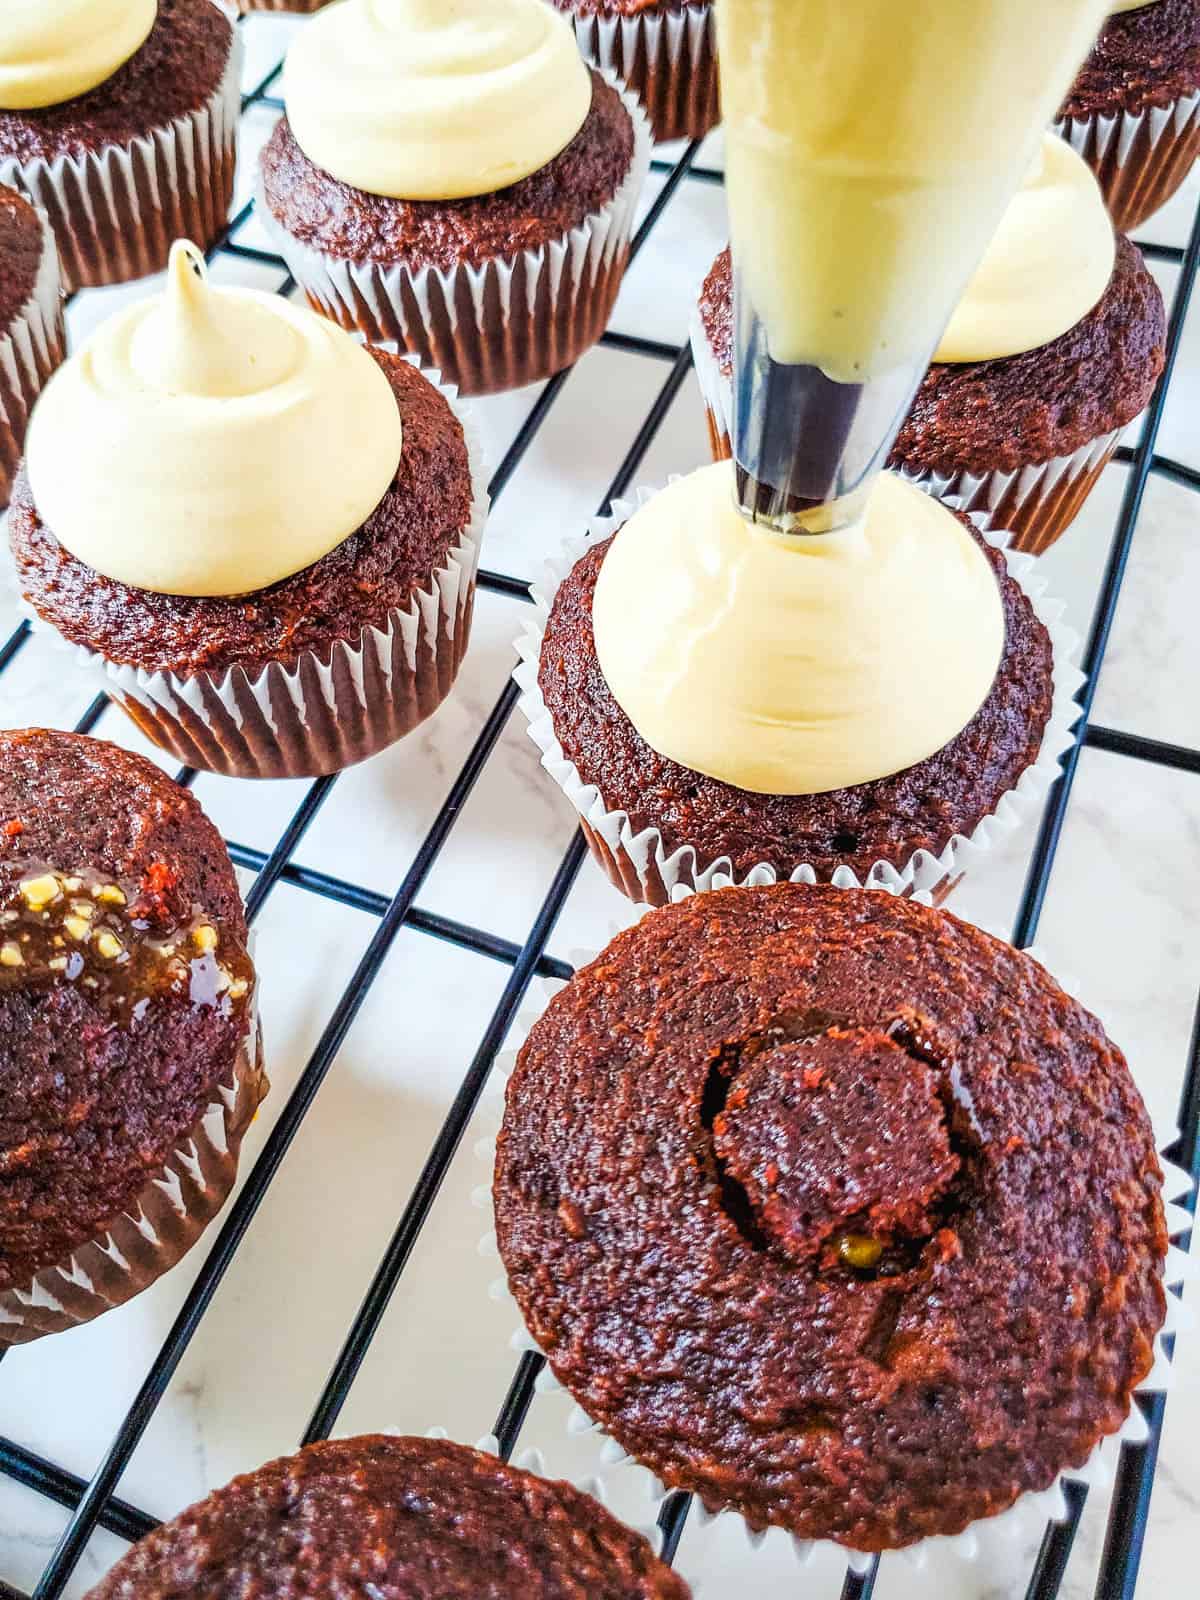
(793, 665)
(1048, 264)
(197, 429)
(435, 99)
(52, 52)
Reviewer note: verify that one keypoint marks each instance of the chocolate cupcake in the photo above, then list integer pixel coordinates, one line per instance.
(128, 1037)
(125, 135)
(397, 1519)
(266, 543)
(305, 6)
(654, 823)
(665, 50)
(1019, 438)
(769, 1170)
(1133, 113)
(33, 339)
(498, 260)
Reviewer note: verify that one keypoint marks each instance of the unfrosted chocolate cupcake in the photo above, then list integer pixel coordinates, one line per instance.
(696, 822)
(32, 335)
(497, 258)
(396, 1519)
(665, 50)
(127, 1022)
(1021, 440)
(141, 158)
(833, 1210)
(1133, 112)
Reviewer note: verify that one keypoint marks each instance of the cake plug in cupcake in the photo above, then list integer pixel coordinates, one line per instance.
(119, 118)
(1133, 112)
(129, 1052)
(263, 535)
(453, 178)
(396, 1519)
(666, 51)
(1054, 348)
(835, 1211)
(32, 335)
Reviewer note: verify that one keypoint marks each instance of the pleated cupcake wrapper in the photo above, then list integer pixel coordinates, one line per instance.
(1141, 158)
(170, 1214)
(283, 6)
(640, 864)
(1029, 1513)
(667, 58)
(511, 321)
(322, 714)
(31, 348)
(1035, 504)
(116, 211)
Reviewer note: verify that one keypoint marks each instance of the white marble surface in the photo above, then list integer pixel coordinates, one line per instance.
(1122, 918)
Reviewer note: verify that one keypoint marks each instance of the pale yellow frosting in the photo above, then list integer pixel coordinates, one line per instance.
(870, 151)
(211, 441)
(1048, 263)
(435, 99)
(795, 665)
(53, 50)
(1130, 5)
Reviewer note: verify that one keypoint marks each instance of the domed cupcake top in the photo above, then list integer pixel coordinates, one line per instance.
(795, 665)
(52, 52)
(211, 441)
(435, 99)
(1048, 263)
(833, 1209)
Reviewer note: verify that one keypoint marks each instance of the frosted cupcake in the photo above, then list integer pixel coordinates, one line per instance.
(466, 192)
(119, 118)
(689, 683)
(666, 51)
(32, 336)
(263, 536)
(1054, 349)
(1133, 112)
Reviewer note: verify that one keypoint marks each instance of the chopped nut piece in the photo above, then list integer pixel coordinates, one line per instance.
(58, 963)
(860, 1251)
(238, 988)
(205, 938)
(78, 927)
(72, 885)
(110, 894)
(10, 955)
(38, 893)
(83, 908)
(108, 945)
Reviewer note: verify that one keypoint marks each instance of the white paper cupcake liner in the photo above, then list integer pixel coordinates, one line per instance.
(667, 58)
(1139, 159)
(116, 211)
(1035, 504)
(513, 320)
(32, 346)
(640, 863)
(323, 713)
(169, 1215)
(1020, 1522)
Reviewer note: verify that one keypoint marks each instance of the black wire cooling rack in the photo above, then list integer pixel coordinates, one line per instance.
(93, 1504)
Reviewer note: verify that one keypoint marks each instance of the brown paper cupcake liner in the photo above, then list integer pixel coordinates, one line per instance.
(640, 863)
(170, 1214)
(511, 321)
(294, 6)
(34, 344)
(116, 211)
(1034, 505)
(327, 711)
(668, 59)
(1139, 160)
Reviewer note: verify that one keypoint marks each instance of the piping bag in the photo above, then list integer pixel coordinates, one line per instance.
(871, 149)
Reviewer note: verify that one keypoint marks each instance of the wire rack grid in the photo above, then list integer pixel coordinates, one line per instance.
(93, 1503)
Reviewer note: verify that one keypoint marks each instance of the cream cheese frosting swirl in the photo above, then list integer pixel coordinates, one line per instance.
(1047, 265)
(53, 50)
(211, 441)
(435, 99)
(1116, 6)
(788, 665)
